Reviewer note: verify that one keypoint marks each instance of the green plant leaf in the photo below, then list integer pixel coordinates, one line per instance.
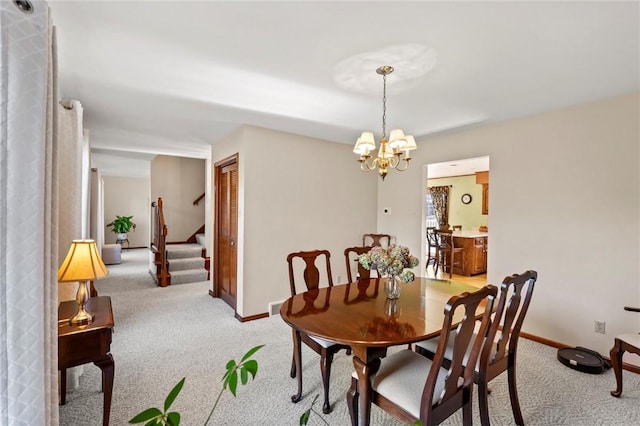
(148, 414)
(173, 419)
(417, 423)
(252, 367)
(155, 422)
(232, 382)
(250, 352)
(231, 365)
(304, 418)
(172, 395)
(244, 376)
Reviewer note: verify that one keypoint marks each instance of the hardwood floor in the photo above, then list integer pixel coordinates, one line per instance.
(474, 280)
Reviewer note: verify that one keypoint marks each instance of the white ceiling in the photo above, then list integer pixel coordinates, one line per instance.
(174, 77)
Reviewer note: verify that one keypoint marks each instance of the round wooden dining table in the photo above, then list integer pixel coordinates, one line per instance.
(360, 315)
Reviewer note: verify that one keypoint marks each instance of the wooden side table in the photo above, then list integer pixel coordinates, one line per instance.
(81, 344)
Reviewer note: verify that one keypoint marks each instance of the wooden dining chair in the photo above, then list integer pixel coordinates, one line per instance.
(351, 255)
(501, 342)
(621, 344)
(432, 247)
(449, 256)
(412, 387)
(325, 348)
(376, 240)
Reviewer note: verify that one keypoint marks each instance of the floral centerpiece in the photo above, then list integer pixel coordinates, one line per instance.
(391, 261)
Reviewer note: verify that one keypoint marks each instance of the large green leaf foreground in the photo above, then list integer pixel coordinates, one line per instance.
(157, 417)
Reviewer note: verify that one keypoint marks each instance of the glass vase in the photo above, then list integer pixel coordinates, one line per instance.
(392, 287)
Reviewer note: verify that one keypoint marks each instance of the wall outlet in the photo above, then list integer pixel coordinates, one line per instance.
(599, 327)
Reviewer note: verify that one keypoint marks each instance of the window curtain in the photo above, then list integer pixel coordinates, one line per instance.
(440, 199)
(28, 217)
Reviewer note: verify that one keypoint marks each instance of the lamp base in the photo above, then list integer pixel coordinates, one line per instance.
(82, 297)
(82, 317)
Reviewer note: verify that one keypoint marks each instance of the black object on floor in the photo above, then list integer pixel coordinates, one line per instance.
(583, 359)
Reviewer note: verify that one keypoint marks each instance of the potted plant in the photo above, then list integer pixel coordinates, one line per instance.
(121, 226)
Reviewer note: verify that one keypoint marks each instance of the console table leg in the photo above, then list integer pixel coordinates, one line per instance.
(63, 386)
(107, 367)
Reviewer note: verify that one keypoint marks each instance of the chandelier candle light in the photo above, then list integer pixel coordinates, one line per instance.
(391, 150)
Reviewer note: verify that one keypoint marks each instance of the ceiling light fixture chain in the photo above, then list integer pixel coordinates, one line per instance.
(384, 72)
(392, 150)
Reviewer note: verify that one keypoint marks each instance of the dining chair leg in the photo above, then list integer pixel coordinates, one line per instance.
(352, 402)
(616, 362)
(293, 367)
(467, 416)
(483, 402)
(297, 361)
(513, 394)
(325, 368)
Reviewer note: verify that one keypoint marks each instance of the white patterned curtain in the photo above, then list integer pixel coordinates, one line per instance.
(28, 217)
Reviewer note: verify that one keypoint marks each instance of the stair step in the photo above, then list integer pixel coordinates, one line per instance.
(180, 251)
(182, 264)
(189, 276)
(200, 239)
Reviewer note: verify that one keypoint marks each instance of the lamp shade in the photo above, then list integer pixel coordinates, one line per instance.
(83, 263)
(365, 143)
(411, 144)
(397, 139)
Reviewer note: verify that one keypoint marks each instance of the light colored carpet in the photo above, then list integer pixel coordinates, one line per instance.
(164, 334)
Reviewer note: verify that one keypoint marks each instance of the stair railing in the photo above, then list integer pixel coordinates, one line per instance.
(159, 243)
(197, 200)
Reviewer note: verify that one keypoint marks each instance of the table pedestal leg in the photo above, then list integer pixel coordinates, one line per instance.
(107, 367)
(364, 371)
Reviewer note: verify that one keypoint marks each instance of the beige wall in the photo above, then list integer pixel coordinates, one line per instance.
(296, 193)
(179, 181)
(127, 196)
(565, 197)
(469, 216)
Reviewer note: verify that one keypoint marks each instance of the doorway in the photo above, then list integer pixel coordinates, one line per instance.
(226, 230)
(464, 185)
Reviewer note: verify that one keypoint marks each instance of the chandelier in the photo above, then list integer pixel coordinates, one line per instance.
(395, 152)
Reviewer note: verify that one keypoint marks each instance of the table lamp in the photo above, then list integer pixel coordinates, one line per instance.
(83, 264)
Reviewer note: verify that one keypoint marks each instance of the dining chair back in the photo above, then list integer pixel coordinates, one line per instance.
(449, 256)
(501, 342)
(376, 240)
(326, 349)
(351, 255)
(621, 344)
(412, 387)
(432, 247)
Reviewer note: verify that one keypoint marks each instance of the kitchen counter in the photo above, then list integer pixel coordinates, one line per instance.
(474, 245)
(470, 234)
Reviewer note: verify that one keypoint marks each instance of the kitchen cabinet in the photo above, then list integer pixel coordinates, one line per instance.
(475, 245)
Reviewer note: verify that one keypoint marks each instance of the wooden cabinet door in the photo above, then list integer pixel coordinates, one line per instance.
(226, 237)
(479, 264)
(485, 198)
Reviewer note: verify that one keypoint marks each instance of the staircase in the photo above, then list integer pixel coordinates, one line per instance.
(186, 263)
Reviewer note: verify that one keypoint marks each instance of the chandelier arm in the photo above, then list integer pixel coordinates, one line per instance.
(367, 166)
(402, 169)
